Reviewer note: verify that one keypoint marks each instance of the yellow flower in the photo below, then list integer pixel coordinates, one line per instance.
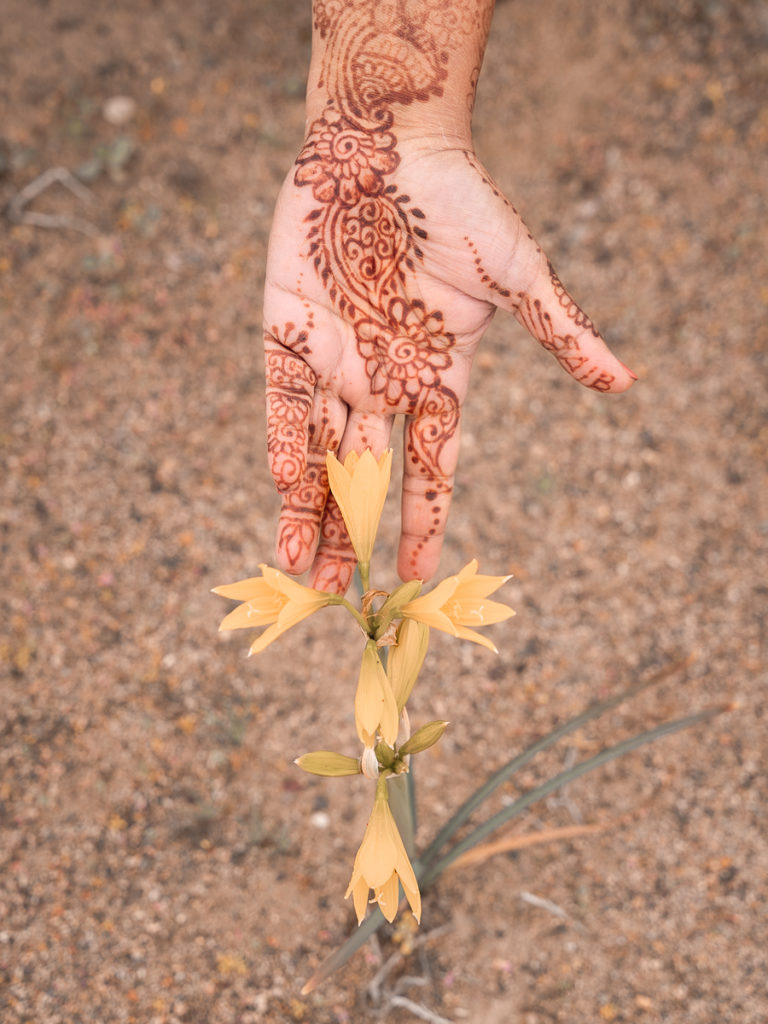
(380, 862)
(375, 707)
(461, 601)
(272, 599)
(359, 485)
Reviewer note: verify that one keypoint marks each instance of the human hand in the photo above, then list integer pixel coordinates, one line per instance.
(389, 253)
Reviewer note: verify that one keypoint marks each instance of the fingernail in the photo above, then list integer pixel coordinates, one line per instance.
(631, 374)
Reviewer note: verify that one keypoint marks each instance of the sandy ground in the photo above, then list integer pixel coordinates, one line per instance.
(161, 860)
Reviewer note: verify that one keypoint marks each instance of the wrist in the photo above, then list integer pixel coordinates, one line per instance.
(440, 123)
(410, 68)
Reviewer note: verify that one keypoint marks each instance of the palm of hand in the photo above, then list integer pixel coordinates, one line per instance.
(379, 313)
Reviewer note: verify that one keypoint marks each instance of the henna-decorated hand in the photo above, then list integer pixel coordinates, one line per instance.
(388, 256)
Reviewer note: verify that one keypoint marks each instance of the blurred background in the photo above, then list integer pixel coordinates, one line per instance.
(161, 859)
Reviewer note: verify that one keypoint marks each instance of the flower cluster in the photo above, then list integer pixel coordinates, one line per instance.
(397, 623)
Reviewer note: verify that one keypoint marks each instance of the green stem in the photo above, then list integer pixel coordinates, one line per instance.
(402, 793)
(365, 575)
(363, 622)
(403, 811)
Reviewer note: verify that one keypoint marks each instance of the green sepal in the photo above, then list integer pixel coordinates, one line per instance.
(385, 755)
(399, 597)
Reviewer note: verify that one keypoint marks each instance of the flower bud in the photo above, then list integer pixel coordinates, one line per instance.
(325, 762)
(423, 738)
(406, 658)
(401, 595)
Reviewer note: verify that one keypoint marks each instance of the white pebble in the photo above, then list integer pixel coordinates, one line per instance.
(119, 109)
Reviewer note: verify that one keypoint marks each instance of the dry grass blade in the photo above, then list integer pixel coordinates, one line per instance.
(548, 835)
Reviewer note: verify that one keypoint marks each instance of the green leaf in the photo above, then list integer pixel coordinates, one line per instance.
(507, 770)
(426, 876)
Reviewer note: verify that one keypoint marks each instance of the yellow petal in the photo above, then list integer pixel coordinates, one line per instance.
(390, 715)
(414, 898)
(406, 658)
(359, 486)
(469, 634)
(253, 613)
(291, 589)
(369, 698)
(436, 619)
(368, 491)
(478, 613)
(388, 897)
(433, 601)
(469, 570)
(480, 587)
(290, 615)
(245, 590)
(359, 892)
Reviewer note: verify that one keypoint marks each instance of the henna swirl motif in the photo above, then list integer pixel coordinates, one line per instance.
(341, 162)
(407, 356)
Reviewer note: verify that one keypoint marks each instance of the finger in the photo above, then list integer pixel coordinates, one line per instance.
(290, 388)
(366, 430)
(512, 272)
(549, 313)
(303, 505)
(431, 454)
(335, 560)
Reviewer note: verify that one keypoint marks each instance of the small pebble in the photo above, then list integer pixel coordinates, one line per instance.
(119, 110)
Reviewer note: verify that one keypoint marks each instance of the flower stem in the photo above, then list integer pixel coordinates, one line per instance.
(403, 810)
(362, 621)
(364, 569)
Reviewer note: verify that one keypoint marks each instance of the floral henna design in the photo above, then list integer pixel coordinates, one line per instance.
(302, 512)
(407, 356)
(343, 163)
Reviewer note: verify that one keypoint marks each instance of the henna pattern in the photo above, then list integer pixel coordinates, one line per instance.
(564, 347)
(364, 236)
(304, 505)
(485, 277)
(290, 386)
(531, 314)
(339, 564)
(572, 308)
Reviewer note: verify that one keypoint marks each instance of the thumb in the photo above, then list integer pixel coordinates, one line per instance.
(548, 312)
(513, 272)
